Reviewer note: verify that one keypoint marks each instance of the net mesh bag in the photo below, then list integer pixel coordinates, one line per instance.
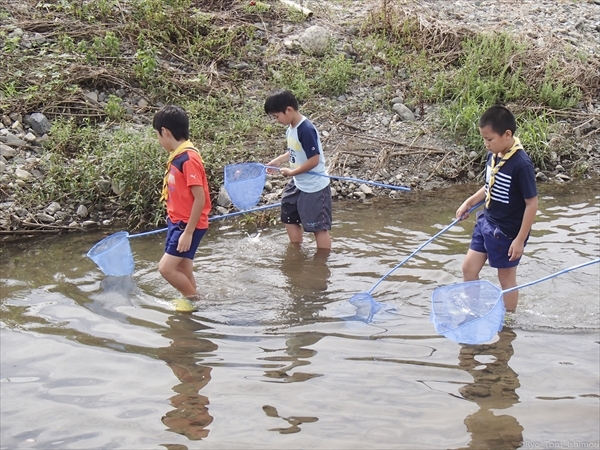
(469, 313)
(245, 183)
(113, 255)
(366, 306)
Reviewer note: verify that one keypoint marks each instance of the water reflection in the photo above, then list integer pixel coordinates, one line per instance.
(494, 387)
(293, 421)
(191, 416)
(307, 279)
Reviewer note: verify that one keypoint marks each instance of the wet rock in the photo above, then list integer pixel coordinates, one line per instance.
(89, 224)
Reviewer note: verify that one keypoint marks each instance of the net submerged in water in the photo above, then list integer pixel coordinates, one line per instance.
(469, 313)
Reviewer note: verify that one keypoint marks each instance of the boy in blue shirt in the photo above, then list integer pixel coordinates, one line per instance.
(306, 200)
(510, 195)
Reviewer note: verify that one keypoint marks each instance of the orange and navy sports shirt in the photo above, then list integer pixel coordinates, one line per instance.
(186, 171)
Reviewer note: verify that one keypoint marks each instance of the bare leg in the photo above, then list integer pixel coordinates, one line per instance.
(179, 273)
(472, 265)
(294, 232)
(323, 239)
(508, 279)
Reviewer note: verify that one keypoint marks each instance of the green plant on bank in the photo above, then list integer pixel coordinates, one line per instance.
(146, 64)
(85, 162)
(462, 119)
(11, 44)
(553, 92)
(328, 76)
(332, 75)
(114, 108)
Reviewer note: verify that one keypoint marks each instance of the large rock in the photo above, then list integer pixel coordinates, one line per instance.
(39, 123)
(315, 40)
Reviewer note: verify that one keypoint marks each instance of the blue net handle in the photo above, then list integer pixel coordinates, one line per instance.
(213, 218)
(356, 180)
(454, 222)
(568, 269)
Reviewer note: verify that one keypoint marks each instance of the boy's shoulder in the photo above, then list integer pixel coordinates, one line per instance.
(306, 124)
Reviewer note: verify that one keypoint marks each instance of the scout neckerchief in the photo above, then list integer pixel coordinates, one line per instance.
(187, 145)
(496, 168)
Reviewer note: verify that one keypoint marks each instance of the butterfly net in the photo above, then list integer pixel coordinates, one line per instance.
(113, 255)
(245, 183)
(469, 313)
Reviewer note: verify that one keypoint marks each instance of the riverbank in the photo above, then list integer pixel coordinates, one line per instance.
(379, 110)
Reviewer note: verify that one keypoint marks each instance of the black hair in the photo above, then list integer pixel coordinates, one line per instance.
(174, 119)
(499, 119)
(279, 101)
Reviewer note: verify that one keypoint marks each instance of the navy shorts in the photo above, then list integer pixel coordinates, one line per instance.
(174, 231)
(488, 238)
(311, 209)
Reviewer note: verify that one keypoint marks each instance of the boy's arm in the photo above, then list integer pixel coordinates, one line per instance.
(518, 244)
(463, 210)
(278, 161)
(309, 164)
(185, 240)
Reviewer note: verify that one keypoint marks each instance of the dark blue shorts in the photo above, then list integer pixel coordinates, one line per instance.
(174, 231)
(488, 238)
(311, 209)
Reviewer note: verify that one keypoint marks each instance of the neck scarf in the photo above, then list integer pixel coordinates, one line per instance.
(187, 145)
(496, 168)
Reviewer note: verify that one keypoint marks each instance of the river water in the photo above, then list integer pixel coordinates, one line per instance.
(277, 357)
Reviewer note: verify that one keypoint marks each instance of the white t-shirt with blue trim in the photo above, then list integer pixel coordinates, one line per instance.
(303, 143)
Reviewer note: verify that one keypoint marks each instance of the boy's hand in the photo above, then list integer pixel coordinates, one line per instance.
(463, 211)
(515, 250)
(286, 172)
(274, 163)
(184, 243)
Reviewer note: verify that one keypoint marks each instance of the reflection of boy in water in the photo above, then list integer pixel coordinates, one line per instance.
(307, 279)
(494, 387)
(190, 416)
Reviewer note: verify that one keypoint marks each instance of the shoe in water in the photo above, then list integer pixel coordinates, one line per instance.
(184, 305)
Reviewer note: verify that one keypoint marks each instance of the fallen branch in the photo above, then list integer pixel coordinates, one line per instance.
(28, 232)
(416, 152)
(392, 142)
(307, 12)
(46, 226)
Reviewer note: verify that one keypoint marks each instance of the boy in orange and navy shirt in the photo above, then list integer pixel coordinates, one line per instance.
(185, 191)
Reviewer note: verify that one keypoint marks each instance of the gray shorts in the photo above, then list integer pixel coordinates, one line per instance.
(311, 210)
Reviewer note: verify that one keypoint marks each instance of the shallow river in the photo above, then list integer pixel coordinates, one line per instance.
(277, 357)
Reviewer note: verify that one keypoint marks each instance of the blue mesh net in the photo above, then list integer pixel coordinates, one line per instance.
(469, 313)
(245, 183)
(366, 306)
(113, 255)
